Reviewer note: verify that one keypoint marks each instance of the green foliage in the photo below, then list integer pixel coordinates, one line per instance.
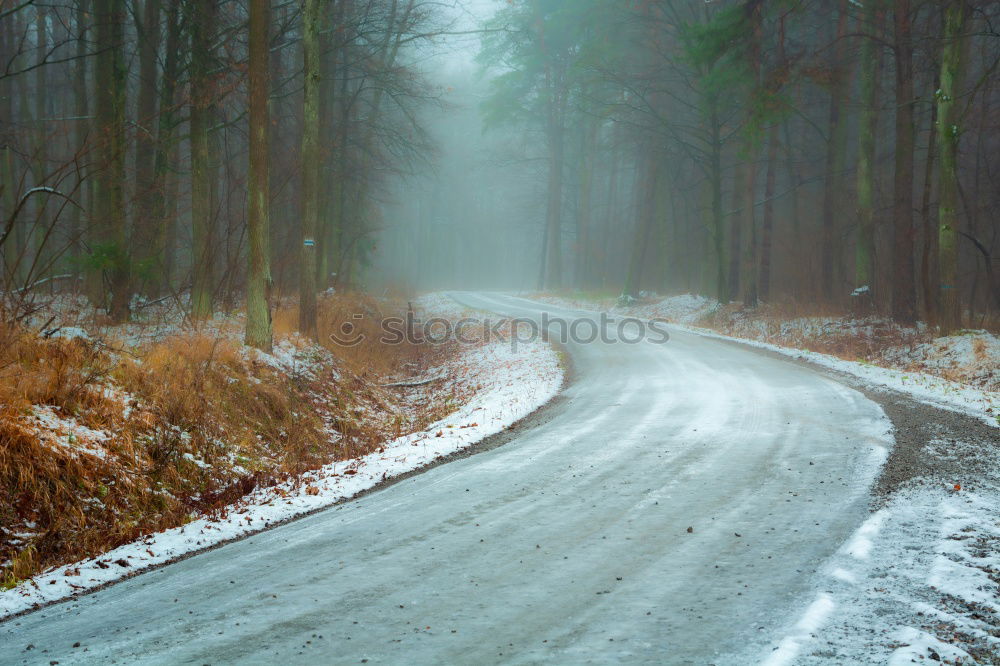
(106, 257)
(109, 261)
(721, 51)
(540, 53)
(717, 51)
(717, 42)
(143, 269)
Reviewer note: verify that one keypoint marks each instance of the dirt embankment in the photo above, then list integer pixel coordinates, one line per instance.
(110, 433)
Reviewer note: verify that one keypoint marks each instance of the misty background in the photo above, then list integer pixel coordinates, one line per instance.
(826, 155)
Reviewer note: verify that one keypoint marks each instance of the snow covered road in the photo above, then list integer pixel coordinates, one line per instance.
(569, 544)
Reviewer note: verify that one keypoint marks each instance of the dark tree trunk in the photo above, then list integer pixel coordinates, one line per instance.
(203, 174)
(903, 287)
(109, 201)
(145, 223)
(836, 150)
(767, 227)
(258, 327)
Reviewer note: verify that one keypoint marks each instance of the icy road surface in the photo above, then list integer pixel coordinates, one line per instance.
(568, 544)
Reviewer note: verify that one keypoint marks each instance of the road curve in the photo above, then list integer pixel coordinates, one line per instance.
(569, 544)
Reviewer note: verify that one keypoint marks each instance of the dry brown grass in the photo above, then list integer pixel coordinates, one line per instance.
(979, 349)
(196, 423)
(34, 370)
(349, 314)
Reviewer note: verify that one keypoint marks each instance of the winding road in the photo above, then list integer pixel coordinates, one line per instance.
(671, 506)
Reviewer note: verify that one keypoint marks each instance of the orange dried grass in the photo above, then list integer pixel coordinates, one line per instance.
(188, 398)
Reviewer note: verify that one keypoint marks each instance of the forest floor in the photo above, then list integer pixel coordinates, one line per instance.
(128, 447)
(919, 581)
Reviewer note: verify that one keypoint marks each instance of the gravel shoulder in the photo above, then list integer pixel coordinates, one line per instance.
(919, 581)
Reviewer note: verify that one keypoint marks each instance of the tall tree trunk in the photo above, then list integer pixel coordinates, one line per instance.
(646, 190)
(326, 234)
(202, 22)
(903, 287)
(929, 249)
(736, 229)
(310, 167)
(258, 332)
(282, 238)
(109, 202)
(750, 293)
(343, 187)
(23, 228)
(145, 223)
(835, 158)
(41, 156)
(163, 187)
(554, 133)
(13, 244)
(718, 225)
(770, 179)
(610, 222)
(666, 227)
(584, 218)
(543, 262)
(8, 183)
(952, 77)
(553, 216)
(216, 197)
(171, 186)
(871, 67)
(767, 226)
(81, 125)
(800, 285)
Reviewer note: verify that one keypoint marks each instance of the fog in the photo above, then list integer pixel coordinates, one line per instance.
(843, 155)
(475, 218)
(743, 150)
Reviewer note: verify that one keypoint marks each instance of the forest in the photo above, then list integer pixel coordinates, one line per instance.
(214, 152)
(430, 327)
(841, 153)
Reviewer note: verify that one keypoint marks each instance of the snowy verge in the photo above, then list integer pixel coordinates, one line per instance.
(916, 583)
(511, 385)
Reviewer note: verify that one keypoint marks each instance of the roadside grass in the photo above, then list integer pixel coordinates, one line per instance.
(820, 329)
(102, 442)
(585, 298)
(352, 316)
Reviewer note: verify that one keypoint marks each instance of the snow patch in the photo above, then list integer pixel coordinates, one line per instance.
(69, 333)
(917, 646)
(860, 544)
(810, 622)
(67, 432)
(972, 357)
(925, 587)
